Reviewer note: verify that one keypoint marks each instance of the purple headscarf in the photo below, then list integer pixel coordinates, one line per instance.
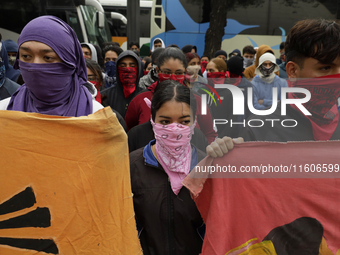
(53, 88)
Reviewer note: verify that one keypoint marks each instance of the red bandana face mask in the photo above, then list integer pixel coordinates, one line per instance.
(164, 77)
(216, 78)
(128, 78)
(204, 65)
(324, 91)
(235, 79)
(146, 72)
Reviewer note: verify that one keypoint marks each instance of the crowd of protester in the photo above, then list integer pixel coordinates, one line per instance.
(158, 101)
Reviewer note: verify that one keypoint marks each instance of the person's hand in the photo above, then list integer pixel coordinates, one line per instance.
(260, 101)
(222, 146)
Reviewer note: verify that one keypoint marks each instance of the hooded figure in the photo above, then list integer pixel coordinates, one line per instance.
(267, 74)
(119, 96)
(11, 73)
(235, 52)
(265, 80)
(58, 88)
(249, 72)
(7, 86)
(93, 51)
(12, 50)
(153, 46)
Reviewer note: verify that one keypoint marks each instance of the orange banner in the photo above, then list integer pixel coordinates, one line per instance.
(65, 185)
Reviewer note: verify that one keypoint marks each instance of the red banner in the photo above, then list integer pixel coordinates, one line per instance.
(295, 211)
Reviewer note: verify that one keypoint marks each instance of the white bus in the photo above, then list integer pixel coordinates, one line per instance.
(86, 17)
(118, 23)
(267, 22)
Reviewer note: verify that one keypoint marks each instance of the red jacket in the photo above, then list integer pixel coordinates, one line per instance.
(138, 112)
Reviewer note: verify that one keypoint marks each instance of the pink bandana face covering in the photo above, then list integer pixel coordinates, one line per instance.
(174, 151)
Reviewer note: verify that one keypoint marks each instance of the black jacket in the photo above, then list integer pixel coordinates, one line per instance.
(278, 133)
(169, 222)
(8, 88)
(140, 135)
(114, 96)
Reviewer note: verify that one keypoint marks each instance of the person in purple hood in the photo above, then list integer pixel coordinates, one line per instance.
(53, 67)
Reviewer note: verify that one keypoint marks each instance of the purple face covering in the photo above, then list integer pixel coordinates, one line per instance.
(53, 88)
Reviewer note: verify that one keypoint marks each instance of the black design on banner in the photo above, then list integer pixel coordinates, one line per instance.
(38, 218)
(24, 199)
(45, 245)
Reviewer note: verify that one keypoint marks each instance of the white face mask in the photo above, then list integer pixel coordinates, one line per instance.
(193, 71)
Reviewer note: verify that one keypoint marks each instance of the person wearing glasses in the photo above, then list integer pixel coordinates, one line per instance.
(171, 65)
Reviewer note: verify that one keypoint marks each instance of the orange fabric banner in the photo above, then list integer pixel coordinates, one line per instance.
(239, 206)
(65, 185)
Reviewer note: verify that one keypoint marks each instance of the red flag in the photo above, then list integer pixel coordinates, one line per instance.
(278, 206)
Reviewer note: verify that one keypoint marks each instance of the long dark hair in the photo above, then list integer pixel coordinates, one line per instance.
(172, 53)
(172, 90)
(95, 68)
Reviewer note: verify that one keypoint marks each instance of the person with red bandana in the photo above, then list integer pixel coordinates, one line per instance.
(313, 63)
(171, 65)
(119, 96)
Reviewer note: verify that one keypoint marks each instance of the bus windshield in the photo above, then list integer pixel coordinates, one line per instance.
(95, 34)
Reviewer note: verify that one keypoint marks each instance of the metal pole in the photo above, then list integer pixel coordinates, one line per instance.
(133, 23)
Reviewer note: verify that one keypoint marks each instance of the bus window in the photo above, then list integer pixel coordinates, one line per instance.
(95, 35)
(73, 21)
(118, 28)
(14, 15)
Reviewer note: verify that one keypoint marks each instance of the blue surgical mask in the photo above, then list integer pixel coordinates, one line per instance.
(110, 68)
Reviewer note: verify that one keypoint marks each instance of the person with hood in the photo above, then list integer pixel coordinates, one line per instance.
(7, 86)
(54, 70)
(157, 43)
(249, 72)
(265, 80)
(10, 73)
(119, 96)
(89, 51)
(235, 52)
(12, 50)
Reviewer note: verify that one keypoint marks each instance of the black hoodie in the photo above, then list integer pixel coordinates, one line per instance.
(114, 96)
